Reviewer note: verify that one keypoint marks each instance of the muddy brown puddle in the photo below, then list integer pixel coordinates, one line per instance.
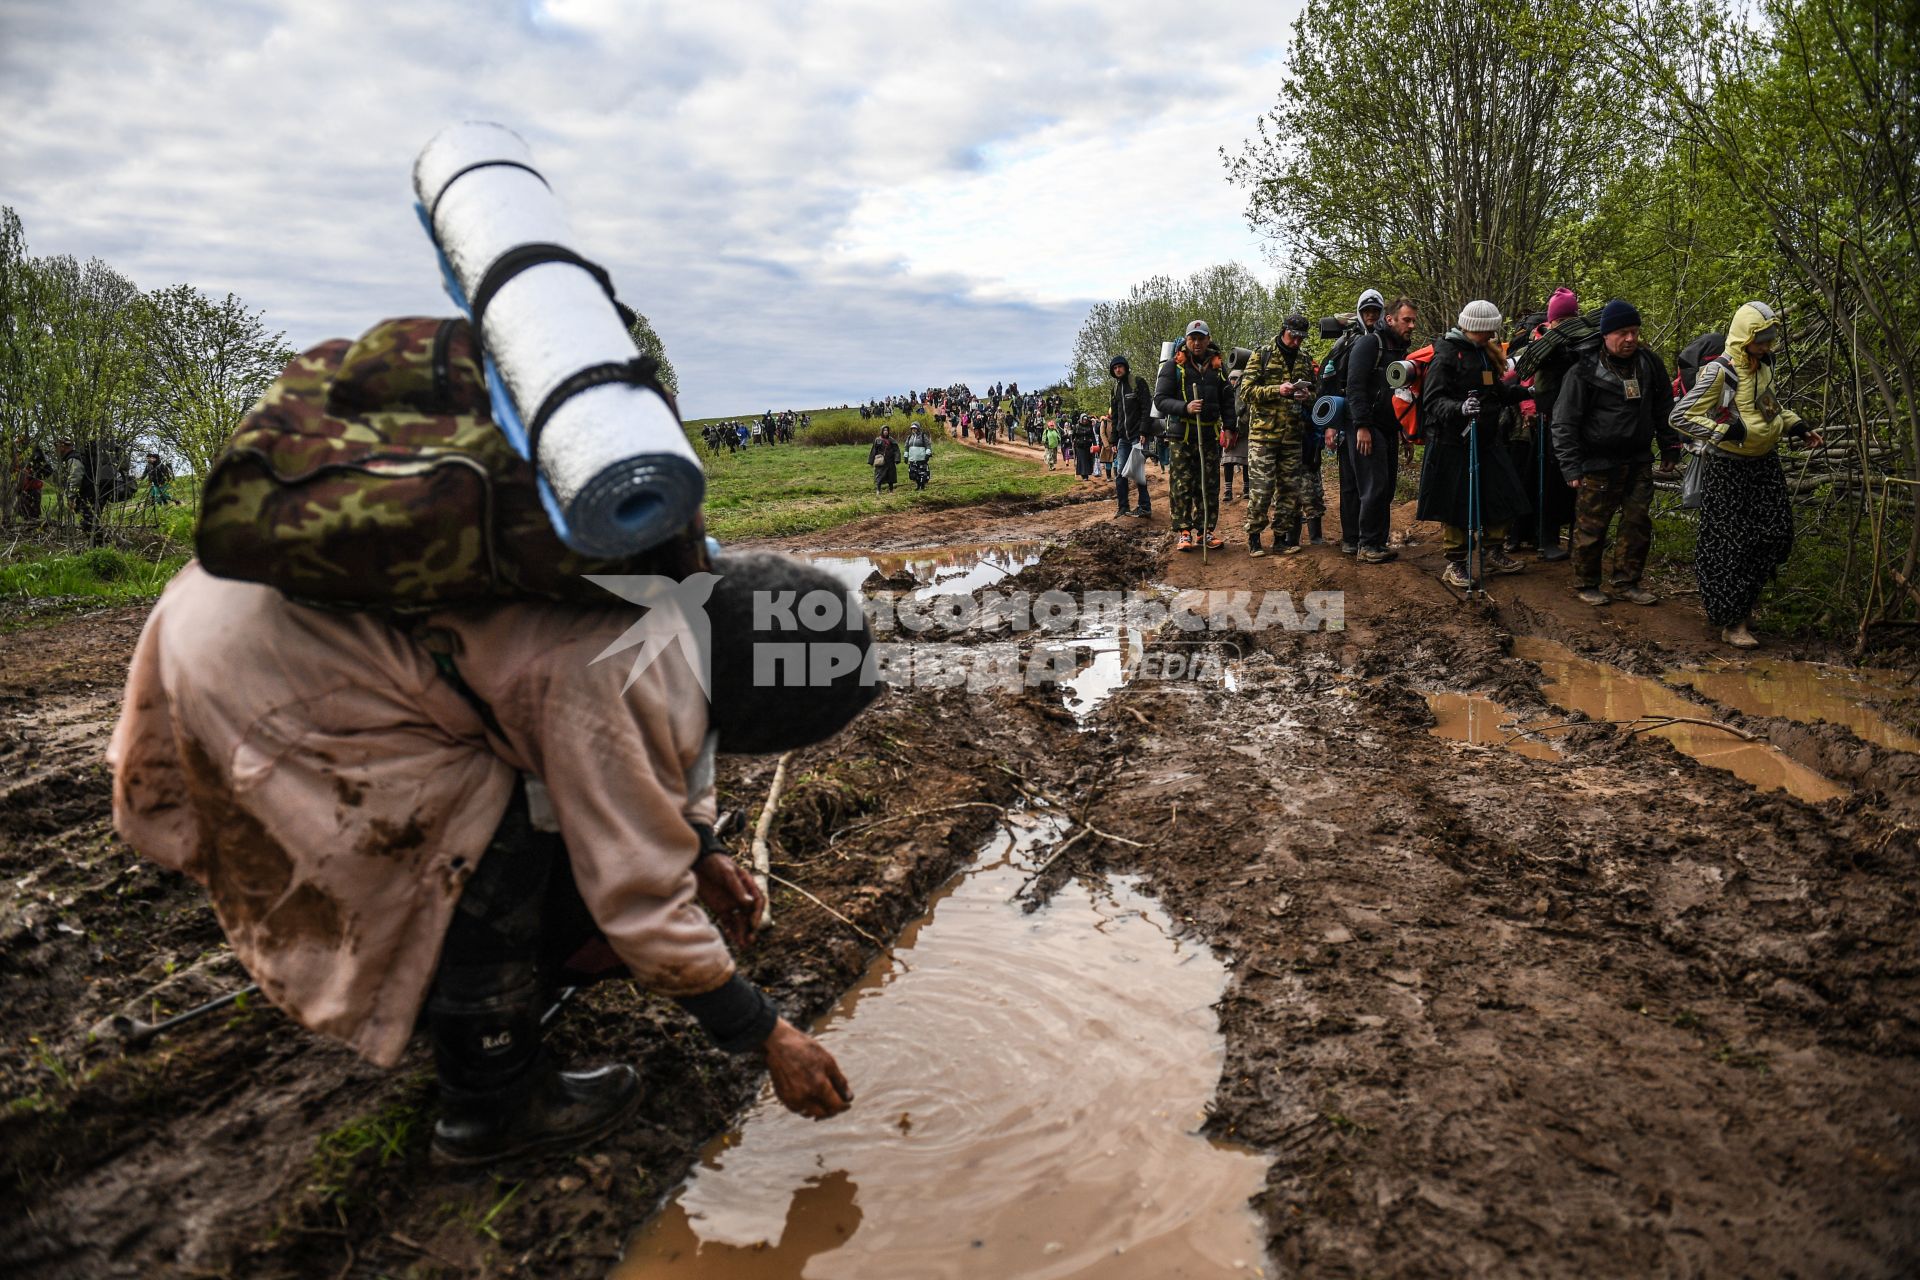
(1605, 692)
(1029, 1089)
(956, 568)
(1477, 719)
(1808, 691)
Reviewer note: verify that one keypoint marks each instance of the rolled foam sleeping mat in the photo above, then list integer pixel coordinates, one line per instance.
(1166, 354)
(1327, 408)
(1399, 373)
(617, 474)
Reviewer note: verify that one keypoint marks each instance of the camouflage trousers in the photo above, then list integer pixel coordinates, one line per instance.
(1313, 498)
(1628, 490)
(1274, 481)
(1192, 466)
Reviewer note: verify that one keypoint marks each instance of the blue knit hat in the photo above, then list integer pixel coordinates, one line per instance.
(1618, 315)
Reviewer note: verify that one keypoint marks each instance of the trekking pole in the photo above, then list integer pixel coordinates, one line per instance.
(134, 1032)
(1473, 505)
(1540, 503)
(1205, 533)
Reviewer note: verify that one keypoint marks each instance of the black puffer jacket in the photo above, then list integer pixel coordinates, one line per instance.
(1180, 383)
(1596, 426)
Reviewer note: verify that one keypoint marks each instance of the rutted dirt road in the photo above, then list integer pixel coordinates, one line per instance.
(1608, 1013)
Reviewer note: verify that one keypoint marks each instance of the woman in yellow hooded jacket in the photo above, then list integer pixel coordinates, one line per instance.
(1746, 518)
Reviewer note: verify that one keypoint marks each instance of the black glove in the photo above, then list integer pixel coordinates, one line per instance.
(1800, 430)
(1736, 432)
(1471, 405)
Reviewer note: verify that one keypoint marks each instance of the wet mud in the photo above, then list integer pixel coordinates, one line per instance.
(1616, 1010)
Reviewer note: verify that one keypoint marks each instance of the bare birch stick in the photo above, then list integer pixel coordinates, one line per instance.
(779, 879)
(762, 855)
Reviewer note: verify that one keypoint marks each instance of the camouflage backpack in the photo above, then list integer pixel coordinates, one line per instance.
(371, 476)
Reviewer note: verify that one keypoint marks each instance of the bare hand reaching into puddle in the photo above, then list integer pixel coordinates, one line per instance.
(805, 1076)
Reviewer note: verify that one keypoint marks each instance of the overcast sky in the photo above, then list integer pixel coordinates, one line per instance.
(814, 202)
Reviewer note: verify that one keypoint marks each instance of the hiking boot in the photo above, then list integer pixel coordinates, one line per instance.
(1501, 562)
(1314, 535)
(1122, 513)
(1254, 549)
(1143, 513)
(1377, 555)
(1636, 594)
(1456, 575)
(1555, 552)
(1213, 541)
(1349, 548)
(1739, 637)
(548, 1110)
(1592, 595)
(500, 1093)
(1186, 542)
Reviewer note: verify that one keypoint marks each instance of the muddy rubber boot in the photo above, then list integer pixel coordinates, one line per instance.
(500, 1094)
(1739, 637)
(1314, 535)
(1254, 549)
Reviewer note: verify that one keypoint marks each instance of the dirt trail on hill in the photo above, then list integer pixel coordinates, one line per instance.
(1614, 1012)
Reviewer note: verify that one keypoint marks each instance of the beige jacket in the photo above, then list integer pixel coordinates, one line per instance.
(333, 792)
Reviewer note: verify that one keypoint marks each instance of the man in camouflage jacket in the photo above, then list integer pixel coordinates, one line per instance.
(1277, 388)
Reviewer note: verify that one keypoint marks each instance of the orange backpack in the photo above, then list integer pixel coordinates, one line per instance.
(1406, 392)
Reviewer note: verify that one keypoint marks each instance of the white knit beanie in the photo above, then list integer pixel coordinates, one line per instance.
(1479, 316)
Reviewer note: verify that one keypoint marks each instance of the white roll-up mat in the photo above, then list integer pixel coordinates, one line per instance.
(617, 473)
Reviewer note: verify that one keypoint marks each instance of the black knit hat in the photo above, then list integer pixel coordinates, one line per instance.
(764, 706)
(1618, 315)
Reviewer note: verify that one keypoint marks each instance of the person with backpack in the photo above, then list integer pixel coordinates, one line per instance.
(1277, 388)
(1746, 515)
(82, 485)
(1371, 451)
(1130, 406)
(158, 476)
(1333, 382)
(1466, 463)
(415, 798)
(919, 456)
(1612, 409)
(1542, 364)
(1195, 398)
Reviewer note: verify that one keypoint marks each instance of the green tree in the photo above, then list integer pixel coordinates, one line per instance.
(1429, 148)
(207, 363)
(1239, 308)
(1810, 126)
(644, 337)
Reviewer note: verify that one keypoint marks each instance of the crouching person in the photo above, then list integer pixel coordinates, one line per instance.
(438, 827)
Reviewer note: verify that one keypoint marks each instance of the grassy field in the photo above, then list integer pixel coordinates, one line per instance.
(148, 549)
(760, 492)
(764, 492)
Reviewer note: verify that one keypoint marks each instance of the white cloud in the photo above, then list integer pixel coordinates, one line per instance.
(813, 202)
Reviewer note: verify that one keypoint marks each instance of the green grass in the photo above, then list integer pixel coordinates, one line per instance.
(764, 492)
(99, 574)
(342, 1156)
